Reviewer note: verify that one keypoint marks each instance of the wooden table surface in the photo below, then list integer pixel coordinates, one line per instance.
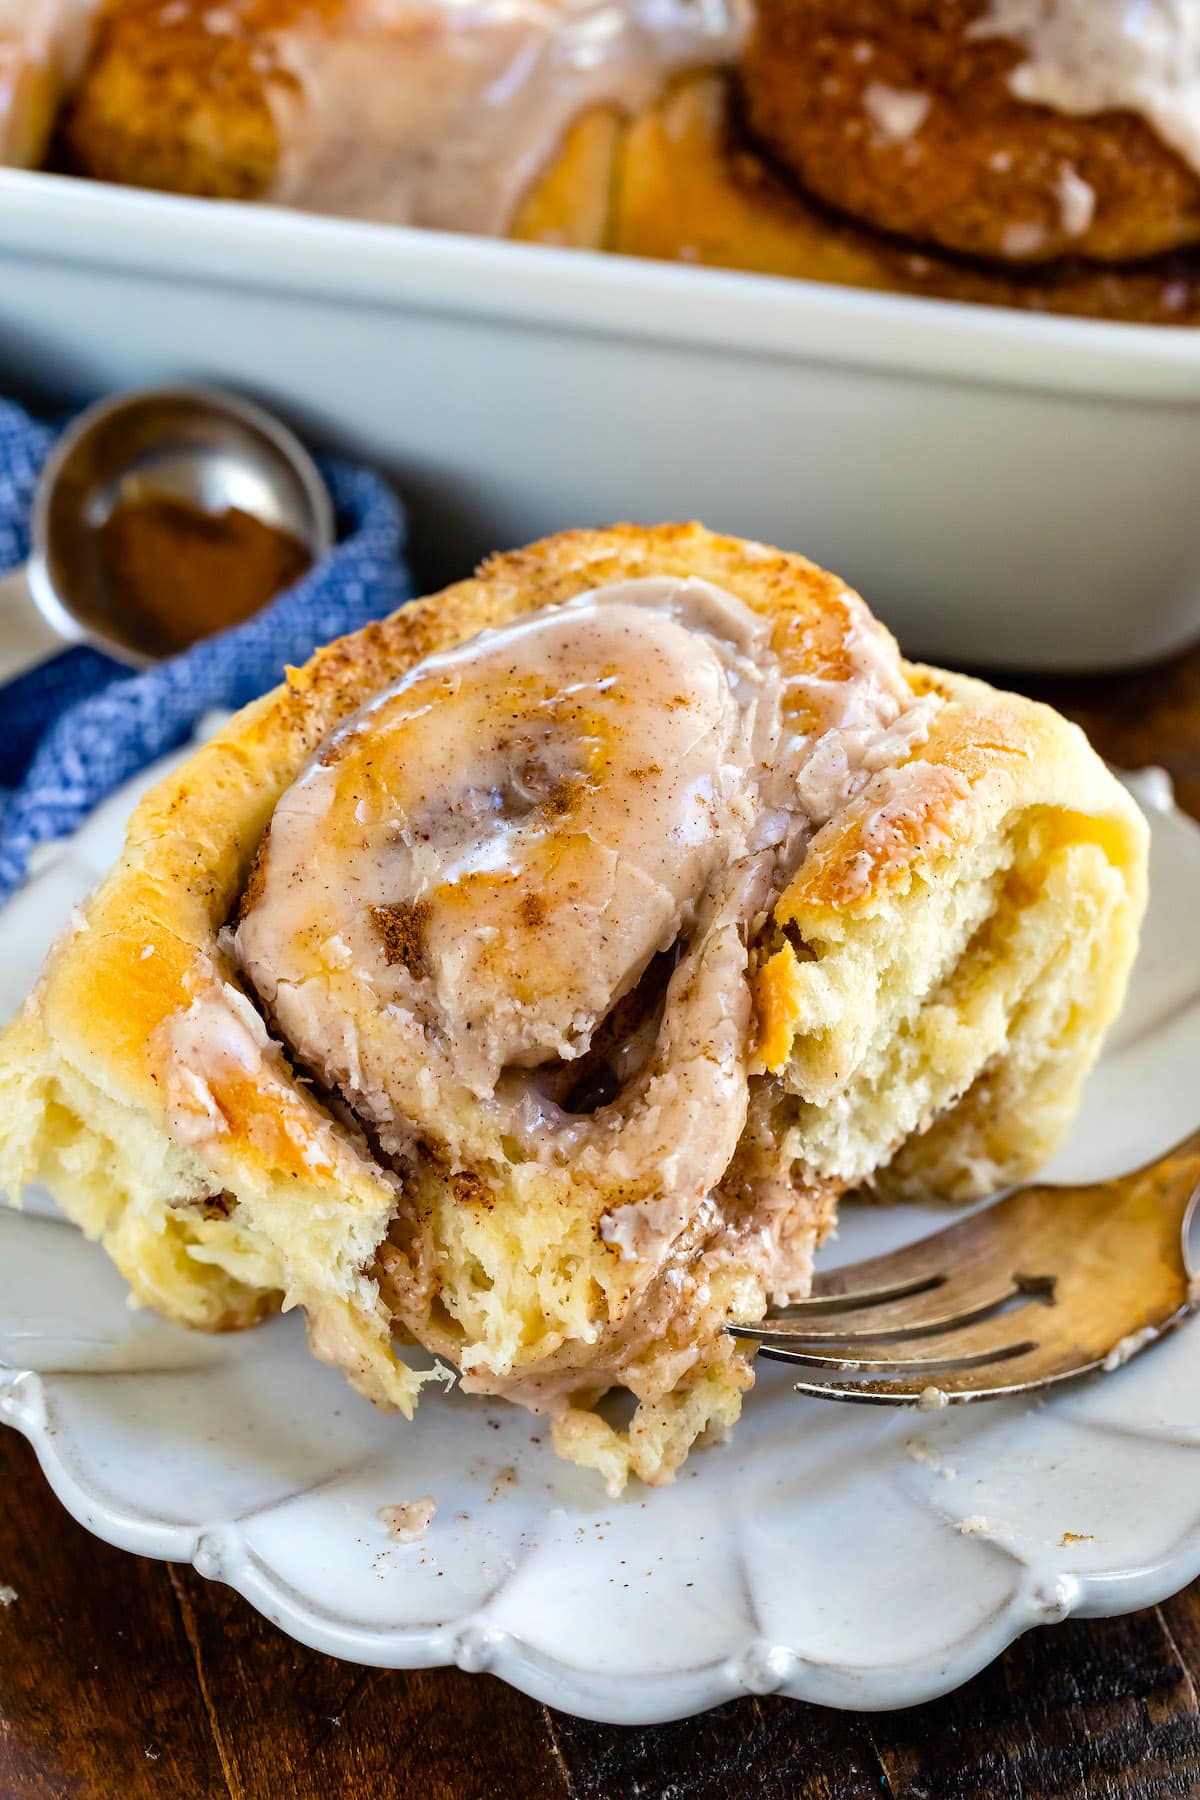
(121, 1678)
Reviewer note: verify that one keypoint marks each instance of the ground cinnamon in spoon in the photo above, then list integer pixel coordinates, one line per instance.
(174, 574)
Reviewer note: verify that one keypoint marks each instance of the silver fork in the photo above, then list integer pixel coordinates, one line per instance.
(1046, 1284)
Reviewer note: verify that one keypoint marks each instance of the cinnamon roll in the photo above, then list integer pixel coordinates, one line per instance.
(528, 976)
(1014, 130)
(451, 115)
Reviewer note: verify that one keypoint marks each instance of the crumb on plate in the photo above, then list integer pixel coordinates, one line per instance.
(407, 1524)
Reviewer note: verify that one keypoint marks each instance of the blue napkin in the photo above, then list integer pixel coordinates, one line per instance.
(80, 725)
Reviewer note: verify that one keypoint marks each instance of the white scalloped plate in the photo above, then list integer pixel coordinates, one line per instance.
(848, 1555)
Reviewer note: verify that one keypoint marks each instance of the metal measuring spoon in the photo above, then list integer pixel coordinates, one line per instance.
(195, 445)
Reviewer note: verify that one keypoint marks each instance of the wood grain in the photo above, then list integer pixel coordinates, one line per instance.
(121, 1678)
(97, 1694)
(276, 1707)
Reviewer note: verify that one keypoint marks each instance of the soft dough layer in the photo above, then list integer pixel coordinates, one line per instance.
(533, 995)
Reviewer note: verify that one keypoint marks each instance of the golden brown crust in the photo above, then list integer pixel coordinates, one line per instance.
(170, 99)
(984, 172)
(692, 188)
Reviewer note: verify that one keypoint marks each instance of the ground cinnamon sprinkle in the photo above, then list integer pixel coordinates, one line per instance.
(174, 574)
(402, 928)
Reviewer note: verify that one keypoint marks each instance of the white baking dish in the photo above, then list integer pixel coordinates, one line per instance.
(1003, 488)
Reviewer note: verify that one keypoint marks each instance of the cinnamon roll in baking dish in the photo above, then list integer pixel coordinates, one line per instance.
(529, 975)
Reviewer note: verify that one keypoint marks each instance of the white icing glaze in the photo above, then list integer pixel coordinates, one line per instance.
(1091, 56)
(220, 1026)
(219, 1043)
(555, 797)
(219, 1030)
(596, 762)
(891, 798)
(896, 114)
(636, 1230)
(1128, 1347)
(635, 767)
(1076, 201)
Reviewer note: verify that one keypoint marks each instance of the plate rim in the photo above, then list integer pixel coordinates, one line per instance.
(757, 1667)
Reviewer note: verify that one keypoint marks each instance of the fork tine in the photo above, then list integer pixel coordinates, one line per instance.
(824, 1298)
(915, 1267)
(1019, 1370)
(954, 1276)
(1111, 1255)
(988, 1379)
(957, 1300)
(987, 1340)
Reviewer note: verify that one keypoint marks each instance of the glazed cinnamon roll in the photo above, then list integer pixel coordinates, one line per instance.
(530, 974)
(466, 115)
(1016, 130)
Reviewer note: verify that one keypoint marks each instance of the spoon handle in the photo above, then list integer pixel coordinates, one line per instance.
(26, 636)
